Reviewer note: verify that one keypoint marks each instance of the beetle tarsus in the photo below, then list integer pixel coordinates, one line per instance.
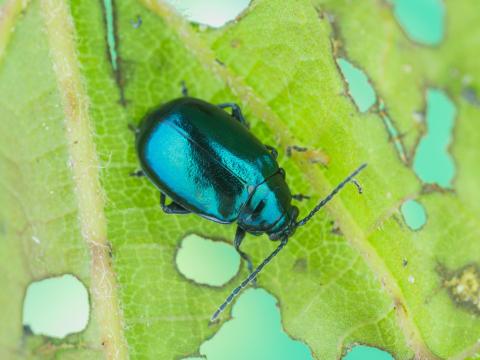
(173, 207)
(292, 148)
(272, 150)
(300, 197)
(133, 128)
(236, 112)
(138, 173)
(184, 88)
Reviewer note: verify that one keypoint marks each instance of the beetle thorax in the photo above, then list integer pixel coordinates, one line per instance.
(269, 208)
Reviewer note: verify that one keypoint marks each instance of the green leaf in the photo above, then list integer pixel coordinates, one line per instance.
(66, 152)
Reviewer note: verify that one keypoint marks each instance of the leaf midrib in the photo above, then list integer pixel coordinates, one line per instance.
(105, 306)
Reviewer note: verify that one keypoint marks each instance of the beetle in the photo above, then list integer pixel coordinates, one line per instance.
(208, 163)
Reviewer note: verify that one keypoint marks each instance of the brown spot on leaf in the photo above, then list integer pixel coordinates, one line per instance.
(236, 43)
(300, 265)
(463, 286)
(336, 228)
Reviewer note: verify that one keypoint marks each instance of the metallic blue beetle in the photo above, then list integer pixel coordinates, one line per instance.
(209, 163)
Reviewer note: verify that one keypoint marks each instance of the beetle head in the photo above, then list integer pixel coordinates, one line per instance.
(269, 208)
(286, 226)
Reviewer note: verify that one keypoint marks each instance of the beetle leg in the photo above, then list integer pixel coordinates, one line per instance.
(184, 88)
(138, 173)
(300, 197)
(173, 207)
(239, 236)
(133, 128)
(292, 148)
(272, 150)
(236, 112)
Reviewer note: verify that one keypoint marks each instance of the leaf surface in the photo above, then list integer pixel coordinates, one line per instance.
(66, 154)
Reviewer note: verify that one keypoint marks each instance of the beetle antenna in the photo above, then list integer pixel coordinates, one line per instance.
(331, 195)
(283, 242)
(249, 278)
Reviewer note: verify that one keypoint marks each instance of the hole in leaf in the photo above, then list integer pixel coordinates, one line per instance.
(432, 162)
(414, 214)
(206, 261)
(362, 352)
(109, 20)
(359, 87)
(56, 306)
(214, 13)
(254, 331)
(422, 20)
